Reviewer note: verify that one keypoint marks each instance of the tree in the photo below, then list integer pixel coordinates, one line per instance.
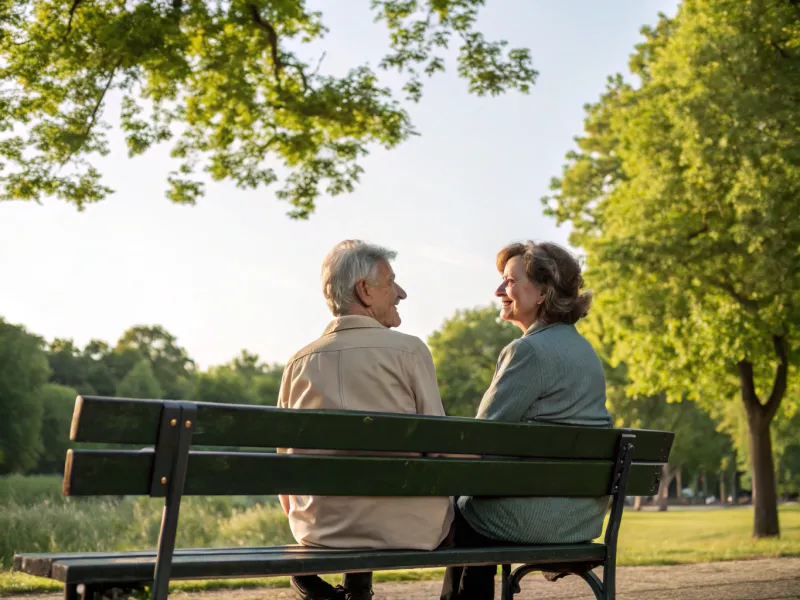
(170, 362)
(140, 382)
(23, 370)
(69, 366)
(245, 380)
(102, 370)
(267, 386)
(683, 193)
(465, 350)
(229, 77)
(58, 403)
(248, 364)
(222, 384)
(263, 379)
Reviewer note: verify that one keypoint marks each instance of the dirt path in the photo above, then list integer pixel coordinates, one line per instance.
(766, 579)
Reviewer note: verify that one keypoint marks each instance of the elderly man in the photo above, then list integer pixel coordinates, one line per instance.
(359, 363)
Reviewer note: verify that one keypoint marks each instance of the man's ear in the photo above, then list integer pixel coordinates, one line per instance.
(363, 293)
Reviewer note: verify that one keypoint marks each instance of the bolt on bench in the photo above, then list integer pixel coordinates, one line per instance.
(519, 460)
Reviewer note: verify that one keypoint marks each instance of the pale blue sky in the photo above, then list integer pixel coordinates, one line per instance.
(233, 272)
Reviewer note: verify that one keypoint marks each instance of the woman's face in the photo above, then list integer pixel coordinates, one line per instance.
(519, 296)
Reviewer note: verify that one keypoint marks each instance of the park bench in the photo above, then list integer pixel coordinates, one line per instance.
(519, 460)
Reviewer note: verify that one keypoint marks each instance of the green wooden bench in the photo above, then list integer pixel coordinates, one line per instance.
(519, 460)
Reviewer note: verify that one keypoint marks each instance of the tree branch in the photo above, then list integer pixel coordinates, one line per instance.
(748, 386)
(319, 63)
(698, 233)
(272, 38)
(72, 10)
(746, 303)
(780, 50)
(779, 383)
(177, 6)
(95, 111)
(300, 72)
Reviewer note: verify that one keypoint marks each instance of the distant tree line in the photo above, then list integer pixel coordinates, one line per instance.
(39, 381)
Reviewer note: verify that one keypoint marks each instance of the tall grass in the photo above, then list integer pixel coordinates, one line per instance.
(34, 517)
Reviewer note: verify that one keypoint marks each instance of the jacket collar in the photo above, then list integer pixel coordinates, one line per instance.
(351, 322)
(537, 327)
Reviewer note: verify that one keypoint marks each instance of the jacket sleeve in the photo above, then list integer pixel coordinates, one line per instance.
(515, 387)
(424, 384)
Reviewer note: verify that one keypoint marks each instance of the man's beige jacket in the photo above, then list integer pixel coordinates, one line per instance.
(358, 364)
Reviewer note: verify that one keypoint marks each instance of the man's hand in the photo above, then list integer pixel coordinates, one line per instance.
(285, 504)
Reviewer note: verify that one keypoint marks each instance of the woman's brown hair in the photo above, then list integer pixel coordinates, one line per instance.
(550, 265)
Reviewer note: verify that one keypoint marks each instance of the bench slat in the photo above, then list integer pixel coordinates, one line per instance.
(294, 560)
(127, 472)
(120, 421)
(40, 565)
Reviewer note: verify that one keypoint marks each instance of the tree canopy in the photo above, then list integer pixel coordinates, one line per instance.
(226, 84)
(683, 193)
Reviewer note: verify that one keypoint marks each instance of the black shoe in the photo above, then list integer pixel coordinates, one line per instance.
(312, 587)
(358, 586)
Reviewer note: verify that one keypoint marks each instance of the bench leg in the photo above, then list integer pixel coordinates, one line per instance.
(596, 585)
(506, 592)
(70, 591)
(511, 581)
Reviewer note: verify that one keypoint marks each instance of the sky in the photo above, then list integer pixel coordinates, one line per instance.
(235, 272)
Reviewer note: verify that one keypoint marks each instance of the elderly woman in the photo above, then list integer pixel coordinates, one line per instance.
(550, 375)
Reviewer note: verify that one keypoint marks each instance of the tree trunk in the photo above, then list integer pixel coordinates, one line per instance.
(765, 497)
(722, 498)
(759, 418)
(678, 483)
(663, 487)
(637, 503)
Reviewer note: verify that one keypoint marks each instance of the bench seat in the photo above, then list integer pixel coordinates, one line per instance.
(204, 563)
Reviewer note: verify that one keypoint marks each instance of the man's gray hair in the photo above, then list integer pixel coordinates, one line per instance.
(348, 263)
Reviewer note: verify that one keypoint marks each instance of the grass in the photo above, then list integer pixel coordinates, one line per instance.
(53, 523)
(691, 536)
(34, 517)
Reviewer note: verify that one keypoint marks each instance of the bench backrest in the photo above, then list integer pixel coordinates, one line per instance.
(520, 459)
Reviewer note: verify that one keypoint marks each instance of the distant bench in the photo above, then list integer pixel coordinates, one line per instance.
(526, 460)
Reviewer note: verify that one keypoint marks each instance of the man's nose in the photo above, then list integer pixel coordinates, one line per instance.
(402, 293)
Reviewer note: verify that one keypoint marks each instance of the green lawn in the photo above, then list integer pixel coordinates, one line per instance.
(676, 537)
(647, 538)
